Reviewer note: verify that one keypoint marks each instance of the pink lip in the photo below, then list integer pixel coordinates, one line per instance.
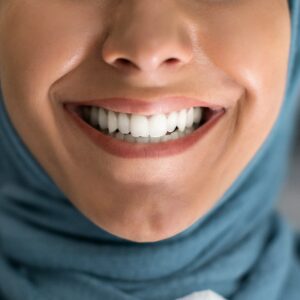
(126, 149)
(163, 105)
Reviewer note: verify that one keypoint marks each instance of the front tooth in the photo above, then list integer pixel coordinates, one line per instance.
(181, 123)
(94, 116)
(157, 125)
(112, 122)
(190, 117)
(124, 123)
(172, 121)
(139, 126)
(197, 115)
(102, 118)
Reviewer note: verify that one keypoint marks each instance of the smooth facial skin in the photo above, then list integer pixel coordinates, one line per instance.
(232, 53)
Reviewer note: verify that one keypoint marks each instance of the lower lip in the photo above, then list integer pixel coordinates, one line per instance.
(127, 149)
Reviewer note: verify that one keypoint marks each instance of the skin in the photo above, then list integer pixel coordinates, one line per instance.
(227, 52)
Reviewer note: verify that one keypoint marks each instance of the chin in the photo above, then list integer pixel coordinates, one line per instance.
(141, 236)
(147, 230)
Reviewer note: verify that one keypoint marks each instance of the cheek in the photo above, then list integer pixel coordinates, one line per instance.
(41, 43)
(35, 52)
(256, 59)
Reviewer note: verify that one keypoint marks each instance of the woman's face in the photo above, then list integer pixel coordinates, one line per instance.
(229, 54)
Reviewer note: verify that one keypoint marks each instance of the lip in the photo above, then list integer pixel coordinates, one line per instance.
(125, 149)
(159, 105)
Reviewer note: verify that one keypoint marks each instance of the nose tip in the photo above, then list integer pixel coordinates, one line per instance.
(145, 46)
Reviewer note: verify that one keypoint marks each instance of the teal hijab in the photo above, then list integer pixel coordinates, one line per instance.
(242, 248)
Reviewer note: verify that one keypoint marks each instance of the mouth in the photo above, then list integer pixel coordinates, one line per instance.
(142, 134)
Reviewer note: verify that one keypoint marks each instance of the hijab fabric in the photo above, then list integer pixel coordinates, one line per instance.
(242, 249)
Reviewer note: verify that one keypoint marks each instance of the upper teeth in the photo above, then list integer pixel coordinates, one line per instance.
(143, 126)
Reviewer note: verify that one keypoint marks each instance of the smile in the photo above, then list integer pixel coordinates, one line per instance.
(136, 128)
(137, 135)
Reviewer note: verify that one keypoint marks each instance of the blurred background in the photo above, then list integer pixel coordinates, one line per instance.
(289, 203)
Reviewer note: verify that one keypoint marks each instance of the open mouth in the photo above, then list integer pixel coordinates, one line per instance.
(137, 128)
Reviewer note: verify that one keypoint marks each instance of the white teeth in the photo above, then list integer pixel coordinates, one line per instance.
(157, 125)
(172, 121)
(197, 114)
(181, 123)
(112, 122)
(146, 140)
(102, 119)
(94, 116)
(190, 117)
(139, 126)
(124, 123)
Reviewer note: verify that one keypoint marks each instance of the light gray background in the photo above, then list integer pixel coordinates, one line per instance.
(289, 203)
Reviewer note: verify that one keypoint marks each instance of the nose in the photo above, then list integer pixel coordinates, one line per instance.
(147, 36)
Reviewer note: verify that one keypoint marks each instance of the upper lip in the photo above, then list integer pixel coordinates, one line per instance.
(158, 105)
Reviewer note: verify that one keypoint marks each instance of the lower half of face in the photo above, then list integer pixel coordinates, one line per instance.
(145, 191)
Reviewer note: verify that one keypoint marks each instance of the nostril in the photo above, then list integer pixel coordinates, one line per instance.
(172, 61)
(124, 62)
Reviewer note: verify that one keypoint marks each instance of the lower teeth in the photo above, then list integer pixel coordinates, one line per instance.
(147, 140)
